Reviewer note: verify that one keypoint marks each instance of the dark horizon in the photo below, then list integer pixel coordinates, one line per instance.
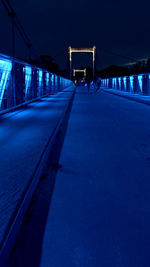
(52, 27)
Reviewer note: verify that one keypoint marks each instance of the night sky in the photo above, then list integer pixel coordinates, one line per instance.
(122, 27)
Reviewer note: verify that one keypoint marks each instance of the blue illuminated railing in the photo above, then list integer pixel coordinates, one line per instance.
(21, 82)
(136, 84)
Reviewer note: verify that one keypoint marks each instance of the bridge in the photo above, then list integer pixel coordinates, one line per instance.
(74, 163)
(74, 169)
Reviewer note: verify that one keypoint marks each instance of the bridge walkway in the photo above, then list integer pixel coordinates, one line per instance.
(100, 210)
(99, 214)
(24, 137)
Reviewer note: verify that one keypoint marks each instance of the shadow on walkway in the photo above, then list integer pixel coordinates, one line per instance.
(27, 250)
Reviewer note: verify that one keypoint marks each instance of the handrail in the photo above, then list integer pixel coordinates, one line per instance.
(21, 82)
(136, 84)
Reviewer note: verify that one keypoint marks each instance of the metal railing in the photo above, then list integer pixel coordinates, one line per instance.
(136, 84)
(21, 82)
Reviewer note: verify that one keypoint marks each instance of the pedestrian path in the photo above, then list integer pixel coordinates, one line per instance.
(24, 135)
(99, 214)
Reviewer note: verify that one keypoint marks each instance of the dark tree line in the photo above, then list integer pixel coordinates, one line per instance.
(47, 62)
(131, 69)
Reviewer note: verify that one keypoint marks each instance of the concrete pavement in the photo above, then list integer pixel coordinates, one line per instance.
(100, 210)
(23, 136)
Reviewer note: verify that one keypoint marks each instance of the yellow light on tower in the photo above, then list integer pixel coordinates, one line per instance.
(82, 50)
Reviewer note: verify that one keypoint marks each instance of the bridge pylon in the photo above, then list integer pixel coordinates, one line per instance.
(81, 50)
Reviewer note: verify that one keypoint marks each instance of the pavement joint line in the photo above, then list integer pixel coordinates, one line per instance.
(13, 231)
